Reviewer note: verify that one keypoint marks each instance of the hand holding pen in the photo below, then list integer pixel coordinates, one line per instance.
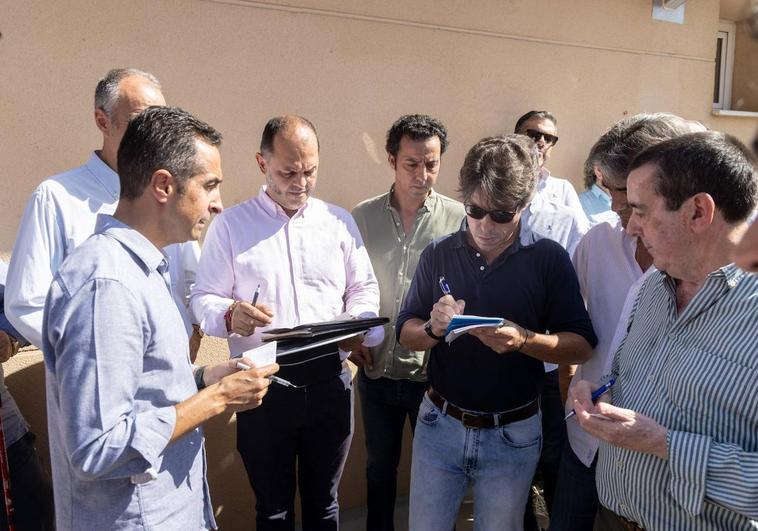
(596, 394)
(275, 379)
(247, 316)
(444, 309)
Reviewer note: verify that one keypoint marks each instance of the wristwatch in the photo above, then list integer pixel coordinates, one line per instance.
(430, 332)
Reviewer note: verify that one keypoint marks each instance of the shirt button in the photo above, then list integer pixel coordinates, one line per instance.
(481, 268)
(619, 464)
(478, 255)
(397, 301)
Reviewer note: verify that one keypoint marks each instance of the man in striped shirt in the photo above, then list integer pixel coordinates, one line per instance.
(680, 446)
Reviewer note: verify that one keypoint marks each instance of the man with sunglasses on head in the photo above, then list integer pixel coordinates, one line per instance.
(480, 422)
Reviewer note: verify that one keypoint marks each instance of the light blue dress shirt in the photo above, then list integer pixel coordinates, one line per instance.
(117, 362)
(597, 205)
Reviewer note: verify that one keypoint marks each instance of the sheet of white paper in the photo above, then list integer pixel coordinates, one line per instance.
(263, 355)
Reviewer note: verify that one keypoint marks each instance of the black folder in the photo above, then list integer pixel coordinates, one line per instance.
(302, 335)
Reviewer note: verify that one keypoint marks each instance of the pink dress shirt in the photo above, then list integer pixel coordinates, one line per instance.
(311, 267)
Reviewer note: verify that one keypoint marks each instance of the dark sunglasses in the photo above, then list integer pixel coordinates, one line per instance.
(498, 216)
(536, 135)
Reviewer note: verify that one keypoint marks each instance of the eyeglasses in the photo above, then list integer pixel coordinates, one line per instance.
(535, 135)
(498, 216)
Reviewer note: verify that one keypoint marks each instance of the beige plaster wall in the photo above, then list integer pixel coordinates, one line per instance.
(745, 79)
(352, 67)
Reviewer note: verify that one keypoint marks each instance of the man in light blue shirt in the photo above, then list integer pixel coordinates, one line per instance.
(123, 406)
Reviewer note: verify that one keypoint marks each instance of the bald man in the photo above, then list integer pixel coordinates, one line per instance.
(306, 260)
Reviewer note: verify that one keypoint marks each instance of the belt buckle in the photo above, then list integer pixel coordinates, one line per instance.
(464, 420)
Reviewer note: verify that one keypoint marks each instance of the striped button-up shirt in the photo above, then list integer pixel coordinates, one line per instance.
(696, 373)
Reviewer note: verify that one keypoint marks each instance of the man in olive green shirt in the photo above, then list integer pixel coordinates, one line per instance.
(396, 227)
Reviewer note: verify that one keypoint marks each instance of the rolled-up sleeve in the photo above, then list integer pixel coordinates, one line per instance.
(96, 345)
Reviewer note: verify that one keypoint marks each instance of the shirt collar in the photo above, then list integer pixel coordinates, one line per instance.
(462, 242)
(730, 275)
(274, 209)
(431, 198)
(103, 174)
(600, 193)
(150, 256)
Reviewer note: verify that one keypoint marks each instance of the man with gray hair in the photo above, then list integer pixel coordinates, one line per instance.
(61, 212)
(678, 447)
(608, 262)
(479, 422)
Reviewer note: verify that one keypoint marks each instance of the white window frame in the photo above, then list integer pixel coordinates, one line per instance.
(728, 33)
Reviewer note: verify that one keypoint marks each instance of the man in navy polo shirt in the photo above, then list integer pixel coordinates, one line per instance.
(480, 420)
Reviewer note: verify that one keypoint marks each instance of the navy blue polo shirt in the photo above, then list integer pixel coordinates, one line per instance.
(534, 286)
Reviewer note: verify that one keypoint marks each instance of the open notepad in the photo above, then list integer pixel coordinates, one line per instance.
(460, 324)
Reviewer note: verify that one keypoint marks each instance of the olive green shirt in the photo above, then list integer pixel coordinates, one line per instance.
(395, 257)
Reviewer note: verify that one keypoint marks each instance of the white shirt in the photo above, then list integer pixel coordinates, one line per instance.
(312, 267)
(554, 214)
(59, 216)
(561, 192)
(606, 269)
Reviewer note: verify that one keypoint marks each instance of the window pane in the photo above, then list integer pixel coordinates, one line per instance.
(717, 74)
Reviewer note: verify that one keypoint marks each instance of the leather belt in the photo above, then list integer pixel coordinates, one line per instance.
(483, 420)
(628, 525)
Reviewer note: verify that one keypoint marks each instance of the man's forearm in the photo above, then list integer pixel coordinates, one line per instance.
(561, 347)
(197, 409)
(413, 336)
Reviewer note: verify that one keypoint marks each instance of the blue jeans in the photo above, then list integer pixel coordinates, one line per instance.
(499, 462)
(385, 404)
(576, 502)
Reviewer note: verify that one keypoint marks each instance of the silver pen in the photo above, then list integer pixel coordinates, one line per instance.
(275, 379)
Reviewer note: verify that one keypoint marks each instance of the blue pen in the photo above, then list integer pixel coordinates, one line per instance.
(444, 287)
(256, 294)
(597, 394)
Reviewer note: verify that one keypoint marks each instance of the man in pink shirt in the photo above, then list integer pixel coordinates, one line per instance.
(310, 263)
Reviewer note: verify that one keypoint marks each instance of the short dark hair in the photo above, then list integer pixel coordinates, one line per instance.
(279, 123)
(616, 148)
(708, 162)
(503, 168)
(415, 127)
(161, 138)
(545, 115)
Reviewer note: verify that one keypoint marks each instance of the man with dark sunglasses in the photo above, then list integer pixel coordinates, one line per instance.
(542, 127)
(479, 423)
